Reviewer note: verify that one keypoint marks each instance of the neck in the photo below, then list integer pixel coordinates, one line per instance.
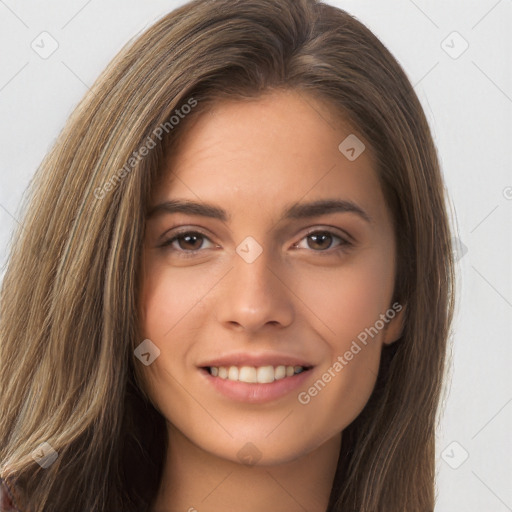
(197, 481)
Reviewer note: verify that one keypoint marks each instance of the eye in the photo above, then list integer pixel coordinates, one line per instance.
(322, 241)
(187, 242)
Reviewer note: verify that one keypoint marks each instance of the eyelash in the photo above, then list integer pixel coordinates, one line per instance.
(341, 247)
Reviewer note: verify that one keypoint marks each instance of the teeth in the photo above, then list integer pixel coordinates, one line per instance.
(247, 374)
(265, 374)
(280, 372)
(233, 373)
(251, 374)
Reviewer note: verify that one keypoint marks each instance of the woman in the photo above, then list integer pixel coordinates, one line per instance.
(233, 286)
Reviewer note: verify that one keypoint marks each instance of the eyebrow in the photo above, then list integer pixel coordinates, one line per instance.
(294, 212)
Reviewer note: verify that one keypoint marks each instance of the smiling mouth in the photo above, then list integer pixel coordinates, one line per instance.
(255, 375)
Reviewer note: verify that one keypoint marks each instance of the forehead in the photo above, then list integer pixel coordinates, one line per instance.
(270, 151)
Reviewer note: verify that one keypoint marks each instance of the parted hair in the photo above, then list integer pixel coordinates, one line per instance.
(69, 304)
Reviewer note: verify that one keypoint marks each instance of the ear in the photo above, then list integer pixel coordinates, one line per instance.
(394, 327)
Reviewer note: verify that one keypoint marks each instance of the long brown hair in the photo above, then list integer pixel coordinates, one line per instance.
(69, 318)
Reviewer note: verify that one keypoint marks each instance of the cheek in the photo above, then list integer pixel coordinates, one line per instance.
(340, 392)
(170, 305)
(168, 297)
(171, 309)
(349, 302)
(349, 299)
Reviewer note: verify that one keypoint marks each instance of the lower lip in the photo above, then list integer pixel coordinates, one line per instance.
(256, 393)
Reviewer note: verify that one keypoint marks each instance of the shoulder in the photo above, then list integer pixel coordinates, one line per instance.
(7, 497)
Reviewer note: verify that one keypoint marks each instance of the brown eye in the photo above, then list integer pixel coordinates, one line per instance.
(186, 242)
(322, 241)
(190, 241)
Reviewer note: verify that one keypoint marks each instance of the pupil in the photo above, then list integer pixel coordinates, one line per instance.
(318, 239)
(189, 239)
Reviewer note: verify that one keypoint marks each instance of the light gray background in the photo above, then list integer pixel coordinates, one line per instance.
(468, 101)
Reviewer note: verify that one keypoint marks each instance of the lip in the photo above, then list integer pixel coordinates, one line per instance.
(255, 393)
(264, 359)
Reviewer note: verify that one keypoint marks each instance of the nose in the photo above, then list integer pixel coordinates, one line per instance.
(255, 295)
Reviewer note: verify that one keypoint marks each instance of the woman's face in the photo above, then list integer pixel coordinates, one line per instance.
(243, 273)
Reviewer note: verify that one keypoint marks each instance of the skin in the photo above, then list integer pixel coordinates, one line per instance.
(253, 159)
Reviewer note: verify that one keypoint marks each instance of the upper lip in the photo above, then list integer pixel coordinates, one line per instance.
(269, 359)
